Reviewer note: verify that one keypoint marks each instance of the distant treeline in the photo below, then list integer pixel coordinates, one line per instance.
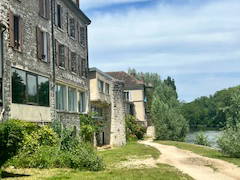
(209, 112)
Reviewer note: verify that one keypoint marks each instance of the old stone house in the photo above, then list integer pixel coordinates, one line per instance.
(135, 96)
(44, 60)
(107, 102)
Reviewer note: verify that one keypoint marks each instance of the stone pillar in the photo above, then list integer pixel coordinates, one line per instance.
(118, 129)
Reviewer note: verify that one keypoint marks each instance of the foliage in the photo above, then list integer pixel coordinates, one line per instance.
(41, 147)
(212, 111)
(166, 116)
(229, 141)
(89, 126)
(82, 157)
(44, 136)
(12, 134)
(133, 129)
(202, 139)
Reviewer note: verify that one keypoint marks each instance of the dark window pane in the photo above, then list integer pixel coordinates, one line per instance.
(62, 56)
(32, 89)
(16, 31)
(43, 91)
(18, 86)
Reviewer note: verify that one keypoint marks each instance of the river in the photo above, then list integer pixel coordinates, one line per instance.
(211, 134)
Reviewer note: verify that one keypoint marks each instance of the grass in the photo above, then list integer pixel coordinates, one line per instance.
(111, 157)
(203, 151)
(131, 150)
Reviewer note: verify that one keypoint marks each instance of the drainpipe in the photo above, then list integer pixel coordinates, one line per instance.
(2, 58)
(53, 52)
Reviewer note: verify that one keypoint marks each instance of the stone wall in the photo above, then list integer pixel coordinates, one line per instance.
(118, 129)
(27, 59)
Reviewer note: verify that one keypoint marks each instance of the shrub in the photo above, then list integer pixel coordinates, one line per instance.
(134, 130)
(83, 157)
(202, 139)
(44, 136)
(12, 133)
(229, 141)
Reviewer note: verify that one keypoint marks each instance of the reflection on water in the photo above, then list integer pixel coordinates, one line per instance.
(212, 137)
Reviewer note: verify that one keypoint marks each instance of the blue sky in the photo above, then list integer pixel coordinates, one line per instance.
(197, 42)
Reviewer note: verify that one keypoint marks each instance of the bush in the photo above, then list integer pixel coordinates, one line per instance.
(44, 136)
(82, 157)
(12, 133)
(134, 130)
(202, 139)
(229, 142)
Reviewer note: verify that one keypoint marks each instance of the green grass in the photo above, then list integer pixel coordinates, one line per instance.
(204, 151)
(163, 172)
(111, 158)
(131, 150)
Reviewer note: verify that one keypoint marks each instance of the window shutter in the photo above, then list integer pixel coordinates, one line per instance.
(67, 23)
(47, 6)
(21, 30)
(57, 52)
(80, 66)
(48, 47)
(55, 13)
(39, 44)
(11, 29)
(41, 8)
(66, 57)
(69, 60)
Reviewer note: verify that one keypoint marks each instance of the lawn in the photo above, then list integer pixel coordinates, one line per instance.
(111, 158)
(204, 151)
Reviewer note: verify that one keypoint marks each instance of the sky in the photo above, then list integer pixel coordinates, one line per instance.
(196, 42)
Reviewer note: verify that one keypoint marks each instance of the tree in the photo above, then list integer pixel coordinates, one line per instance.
(171, 83)
(166, 115)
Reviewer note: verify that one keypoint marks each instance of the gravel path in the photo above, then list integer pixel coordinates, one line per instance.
(196, 166)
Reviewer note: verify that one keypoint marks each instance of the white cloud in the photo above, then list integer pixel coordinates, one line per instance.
(170, 39)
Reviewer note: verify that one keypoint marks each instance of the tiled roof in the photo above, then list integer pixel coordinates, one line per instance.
(130, 81)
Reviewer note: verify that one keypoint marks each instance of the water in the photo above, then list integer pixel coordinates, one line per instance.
(211, 134)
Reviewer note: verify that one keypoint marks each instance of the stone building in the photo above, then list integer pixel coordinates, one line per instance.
(107, 102)
(135, 96)
(44, 61)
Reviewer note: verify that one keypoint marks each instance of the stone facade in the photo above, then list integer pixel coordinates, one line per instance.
(118, 127)
(106, 96)
(26, 60)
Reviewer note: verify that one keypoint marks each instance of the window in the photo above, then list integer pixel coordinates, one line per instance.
(29, 88)
(61, 56)
(18, 86)
(107, 88)
(82, 36)
(83, 68)
(32, 89)
(98, 111)
(73, 62)
(15, 31)
(72, 100)
(43, 45)
(127, 96)
(72, 27)
(59, 16)
(100, 86)
(82, 102)
(44, 8)
(61, 97)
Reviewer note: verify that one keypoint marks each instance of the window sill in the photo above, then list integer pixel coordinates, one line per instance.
(45, 18)
(60, 29)
(62, 68)
(69, 112)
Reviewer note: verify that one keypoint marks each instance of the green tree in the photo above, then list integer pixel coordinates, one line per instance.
(166, 115)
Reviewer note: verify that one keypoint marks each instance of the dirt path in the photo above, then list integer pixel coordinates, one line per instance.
(198, 167)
